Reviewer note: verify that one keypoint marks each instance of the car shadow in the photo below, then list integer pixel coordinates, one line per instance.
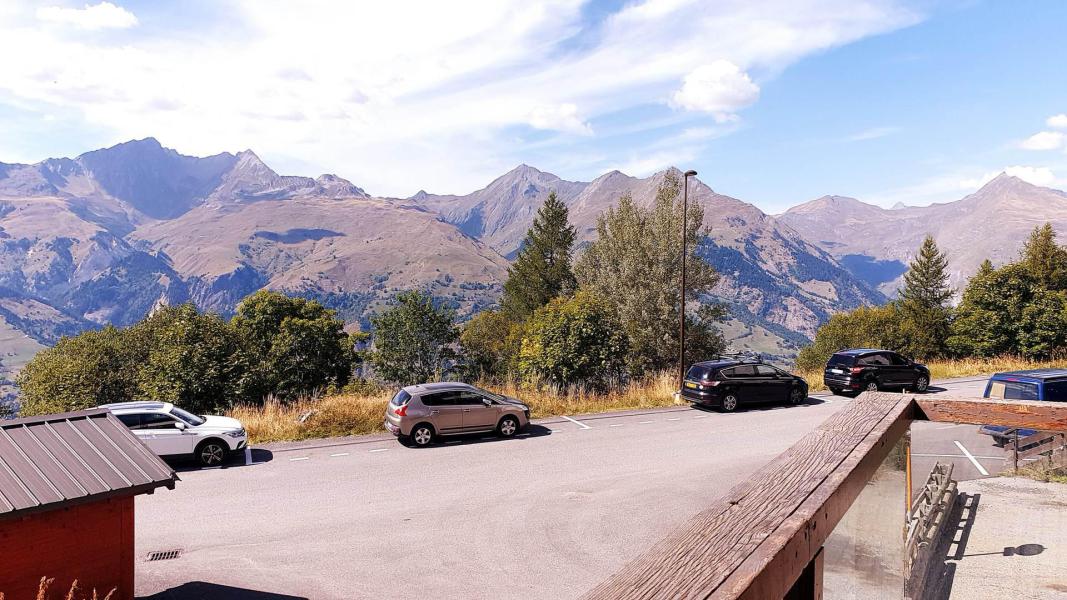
(531, 431)
(182, 464)
(763, 407)
(201, 590)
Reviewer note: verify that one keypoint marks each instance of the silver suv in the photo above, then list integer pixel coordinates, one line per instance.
(423, 412)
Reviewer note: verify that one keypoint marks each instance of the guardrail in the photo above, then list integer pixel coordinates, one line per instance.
(1048, 445)
(764, 538)
(926, 521)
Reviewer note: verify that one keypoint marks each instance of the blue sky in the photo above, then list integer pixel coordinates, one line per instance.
(774, 102)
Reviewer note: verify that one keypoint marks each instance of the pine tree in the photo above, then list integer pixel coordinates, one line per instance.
(542, 271)
(924, 302)
(1045, 259)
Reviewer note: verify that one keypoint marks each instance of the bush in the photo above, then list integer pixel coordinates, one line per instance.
(575, 340)
(412, 339)
(865, 327)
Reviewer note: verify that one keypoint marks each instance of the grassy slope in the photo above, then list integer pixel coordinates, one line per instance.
(361, 414)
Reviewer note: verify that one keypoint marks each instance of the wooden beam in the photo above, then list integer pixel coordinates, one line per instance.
(757, 540)
(987, 411)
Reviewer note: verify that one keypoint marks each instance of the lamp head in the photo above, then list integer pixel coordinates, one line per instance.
(690, 173)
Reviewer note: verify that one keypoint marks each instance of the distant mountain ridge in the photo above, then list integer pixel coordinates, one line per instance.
(876, 244)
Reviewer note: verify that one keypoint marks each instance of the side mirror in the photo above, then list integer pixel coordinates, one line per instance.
(487, 402)
(180, 425)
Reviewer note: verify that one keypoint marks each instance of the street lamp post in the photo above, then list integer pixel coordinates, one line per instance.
(681, 319)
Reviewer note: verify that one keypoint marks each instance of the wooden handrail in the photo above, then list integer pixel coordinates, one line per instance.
(757, 540)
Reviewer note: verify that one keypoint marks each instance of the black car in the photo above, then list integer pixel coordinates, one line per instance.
(728, 382)
(870, 369)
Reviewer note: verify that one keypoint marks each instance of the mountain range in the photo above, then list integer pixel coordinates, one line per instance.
(104, 237)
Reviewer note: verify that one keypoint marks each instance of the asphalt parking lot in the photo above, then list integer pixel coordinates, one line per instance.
(544, 515)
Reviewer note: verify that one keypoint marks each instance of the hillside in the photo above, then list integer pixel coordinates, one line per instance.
(876, 244)
(105, 237)
(779, 286)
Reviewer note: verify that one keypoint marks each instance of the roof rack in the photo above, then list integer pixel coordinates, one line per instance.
(746, 355)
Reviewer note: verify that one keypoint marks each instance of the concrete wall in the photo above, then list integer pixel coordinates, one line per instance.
(91, 542)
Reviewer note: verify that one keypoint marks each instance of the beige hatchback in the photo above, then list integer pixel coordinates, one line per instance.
(423, 412)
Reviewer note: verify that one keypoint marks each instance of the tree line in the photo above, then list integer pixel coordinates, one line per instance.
(1019, 309)
(611, 316)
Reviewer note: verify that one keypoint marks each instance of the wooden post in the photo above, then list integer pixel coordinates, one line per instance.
(1015, 452)
(809, 585)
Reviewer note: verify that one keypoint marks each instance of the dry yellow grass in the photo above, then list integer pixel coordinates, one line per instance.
(349, 414)
(961, 367)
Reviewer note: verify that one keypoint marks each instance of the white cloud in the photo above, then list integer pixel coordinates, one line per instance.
(1042, 176)
(97, 16)
(719, 88)
(1045, 140)
(365, 90)
(871, 134)
(1057, 121)
(562, 117)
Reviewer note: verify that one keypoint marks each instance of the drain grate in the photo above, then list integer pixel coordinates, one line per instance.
(164, 555)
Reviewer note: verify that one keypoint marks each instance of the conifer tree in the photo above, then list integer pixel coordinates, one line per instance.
(924, 302)
(542, 270)
(1045, 259)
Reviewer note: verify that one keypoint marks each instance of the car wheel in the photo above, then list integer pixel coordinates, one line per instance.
(797, 396)
(508, 427)
(729, 402)
(211, 453)
(922, 383)
(871, 386)
(837, 391)
(422, 435)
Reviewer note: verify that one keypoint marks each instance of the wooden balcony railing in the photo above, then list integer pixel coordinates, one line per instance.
(763, 539)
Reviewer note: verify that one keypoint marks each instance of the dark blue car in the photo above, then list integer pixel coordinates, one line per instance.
(1036, 384)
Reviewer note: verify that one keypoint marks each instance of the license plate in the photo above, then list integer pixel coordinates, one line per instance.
(838, 371)
(690, 384)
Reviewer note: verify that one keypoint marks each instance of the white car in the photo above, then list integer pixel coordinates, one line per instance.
(170, 431)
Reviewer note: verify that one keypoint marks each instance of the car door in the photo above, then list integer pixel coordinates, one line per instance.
(743, 380)
(161, 433)
(445, 415)
(476, 415)
(903, 373)
(774, 387)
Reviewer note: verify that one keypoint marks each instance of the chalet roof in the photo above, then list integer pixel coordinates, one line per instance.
(51, 461)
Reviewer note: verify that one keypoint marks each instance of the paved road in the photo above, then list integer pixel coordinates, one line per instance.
(546, 515)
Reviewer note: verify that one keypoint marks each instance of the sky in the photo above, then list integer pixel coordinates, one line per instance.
(775, 102)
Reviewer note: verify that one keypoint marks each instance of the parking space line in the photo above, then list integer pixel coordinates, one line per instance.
(340, 454)
(675, 419)
(970, 456)
(299, 458)
(248, 455)
(379, 450)
(616, 425)
(957, 456)
(645, 422)
(576, 422)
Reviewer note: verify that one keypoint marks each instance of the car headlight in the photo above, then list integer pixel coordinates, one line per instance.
(236, 434)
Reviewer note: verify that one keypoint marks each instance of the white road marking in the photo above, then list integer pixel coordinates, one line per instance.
(248, 455)
(299, 458)
(576, 422)
(645, 422)
(616, 425)
(379, 450)
(948, 427)
(958, 456)
(970, 456)
(340, 454)
(675, 419)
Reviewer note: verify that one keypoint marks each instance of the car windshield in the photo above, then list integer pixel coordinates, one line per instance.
(1012, 390)
(699, 373)
(401, 398)
(187, 416)
(495, 397)
(841, 360)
